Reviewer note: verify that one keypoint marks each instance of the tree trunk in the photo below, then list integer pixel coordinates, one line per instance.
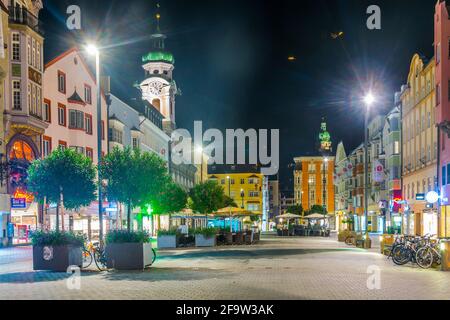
(129, 216)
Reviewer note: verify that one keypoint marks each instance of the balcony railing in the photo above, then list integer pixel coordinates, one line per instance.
(22, 16)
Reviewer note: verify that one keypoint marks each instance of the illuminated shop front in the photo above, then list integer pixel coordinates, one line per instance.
(24, 210)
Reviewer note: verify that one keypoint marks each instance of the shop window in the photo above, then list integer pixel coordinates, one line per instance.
(21, 150)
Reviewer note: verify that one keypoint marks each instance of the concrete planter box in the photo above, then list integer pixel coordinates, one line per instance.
(167, 242)
(129, 256)
(56, 258)
(202, 241)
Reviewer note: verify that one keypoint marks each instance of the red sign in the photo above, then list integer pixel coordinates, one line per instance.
(21, 194)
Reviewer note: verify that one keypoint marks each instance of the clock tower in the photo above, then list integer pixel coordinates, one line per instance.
(159, 88)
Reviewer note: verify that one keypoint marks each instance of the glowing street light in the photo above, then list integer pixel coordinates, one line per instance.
(369, 99)
(92, 49)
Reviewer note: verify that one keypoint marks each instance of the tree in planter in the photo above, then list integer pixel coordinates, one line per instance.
(134, 177)
(65, 177)
(207, 197)
(171, 198)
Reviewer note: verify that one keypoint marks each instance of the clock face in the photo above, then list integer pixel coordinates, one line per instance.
(155, 88)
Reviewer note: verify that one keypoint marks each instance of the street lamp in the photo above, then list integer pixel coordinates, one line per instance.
(369, 100)
(229, 186)
(242, 197)
(199, 150)
(93, 50)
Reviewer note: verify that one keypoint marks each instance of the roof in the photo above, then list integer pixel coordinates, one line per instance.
(159, 56)
(75, 98)
(233, 169)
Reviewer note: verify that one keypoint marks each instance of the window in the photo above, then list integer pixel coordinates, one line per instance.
(253, 181)
(46, 146)
(232, 181)
(79, 150)
(17, 100)
(29, 50)
(90, 153)
(47, 114)
(33, 53)
(88, 123)
(444, 175)
(61, 82)
(76, 119)
(38, 56)
(242, 181)
(15, 46)
(62, 115)
(115, 135)
(62, 145)
(222, 181)
(253, 207)
(253, 194)
(396, 147)
(136, 143)
(87, 94)
(448, 173)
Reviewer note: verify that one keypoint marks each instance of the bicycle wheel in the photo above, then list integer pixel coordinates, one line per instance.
(349, 241)
(87, 259)
(401, 255)
(424, 258)
(100, 261)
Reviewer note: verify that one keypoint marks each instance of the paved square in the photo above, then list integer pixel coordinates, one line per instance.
(294, 268)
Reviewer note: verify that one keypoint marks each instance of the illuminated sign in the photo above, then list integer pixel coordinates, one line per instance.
(432, 197)
(20, 194)
(420, 197)
(18, 203)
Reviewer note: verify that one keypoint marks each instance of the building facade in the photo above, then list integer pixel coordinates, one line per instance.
(442, 54)
(245, 185)
(343, 192)
(274, 199)
(393, 168)
(23, 122)
(419, 147)
(313, 182)
(70, 111)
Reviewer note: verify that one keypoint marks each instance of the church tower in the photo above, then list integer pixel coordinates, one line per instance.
(159, 88)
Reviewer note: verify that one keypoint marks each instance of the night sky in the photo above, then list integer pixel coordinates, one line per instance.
(232, 59)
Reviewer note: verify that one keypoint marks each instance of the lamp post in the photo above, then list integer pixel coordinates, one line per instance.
(93, 50)
(229, 186)
(368, 100)
(242, 197)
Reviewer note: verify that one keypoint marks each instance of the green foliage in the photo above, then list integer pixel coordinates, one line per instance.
(295, 209)
(55, 238)
(170, 199)
(316, 209)
(63, 172)
(207, 197)
(135, 178)
(170, 232)
(207, 232)
(228, 202)
(122, 236)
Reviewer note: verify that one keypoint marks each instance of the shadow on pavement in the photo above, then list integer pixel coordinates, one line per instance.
(253, 254)
(156, 274)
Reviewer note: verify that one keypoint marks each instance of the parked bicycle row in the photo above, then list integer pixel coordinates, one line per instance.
(423, 251)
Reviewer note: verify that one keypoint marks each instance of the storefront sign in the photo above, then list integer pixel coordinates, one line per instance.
(420, 197)
(378, 171)
(18, 203)
(23, 194)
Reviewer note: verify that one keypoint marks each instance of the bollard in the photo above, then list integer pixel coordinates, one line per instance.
(445, 252)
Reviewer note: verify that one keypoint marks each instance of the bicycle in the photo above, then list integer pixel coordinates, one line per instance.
(94, 252)
(429, 254)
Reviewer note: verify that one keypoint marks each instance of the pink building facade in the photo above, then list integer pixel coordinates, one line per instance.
(70, 109)
(70, 106)
(442, 57)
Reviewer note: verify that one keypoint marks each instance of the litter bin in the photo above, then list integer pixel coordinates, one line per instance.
(445, 252)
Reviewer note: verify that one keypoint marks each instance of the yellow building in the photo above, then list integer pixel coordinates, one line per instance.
(313, 182)
(248, 189)
(419, 147)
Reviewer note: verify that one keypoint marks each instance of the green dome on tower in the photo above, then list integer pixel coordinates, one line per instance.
(158, 56)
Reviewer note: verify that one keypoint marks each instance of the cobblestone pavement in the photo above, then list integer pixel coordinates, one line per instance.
(274, 269)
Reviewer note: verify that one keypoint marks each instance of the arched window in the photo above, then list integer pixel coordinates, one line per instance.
(157, 104)
(22, 151)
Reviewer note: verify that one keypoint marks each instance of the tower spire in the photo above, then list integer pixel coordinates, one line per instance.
(157, 36)
(158, 17)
